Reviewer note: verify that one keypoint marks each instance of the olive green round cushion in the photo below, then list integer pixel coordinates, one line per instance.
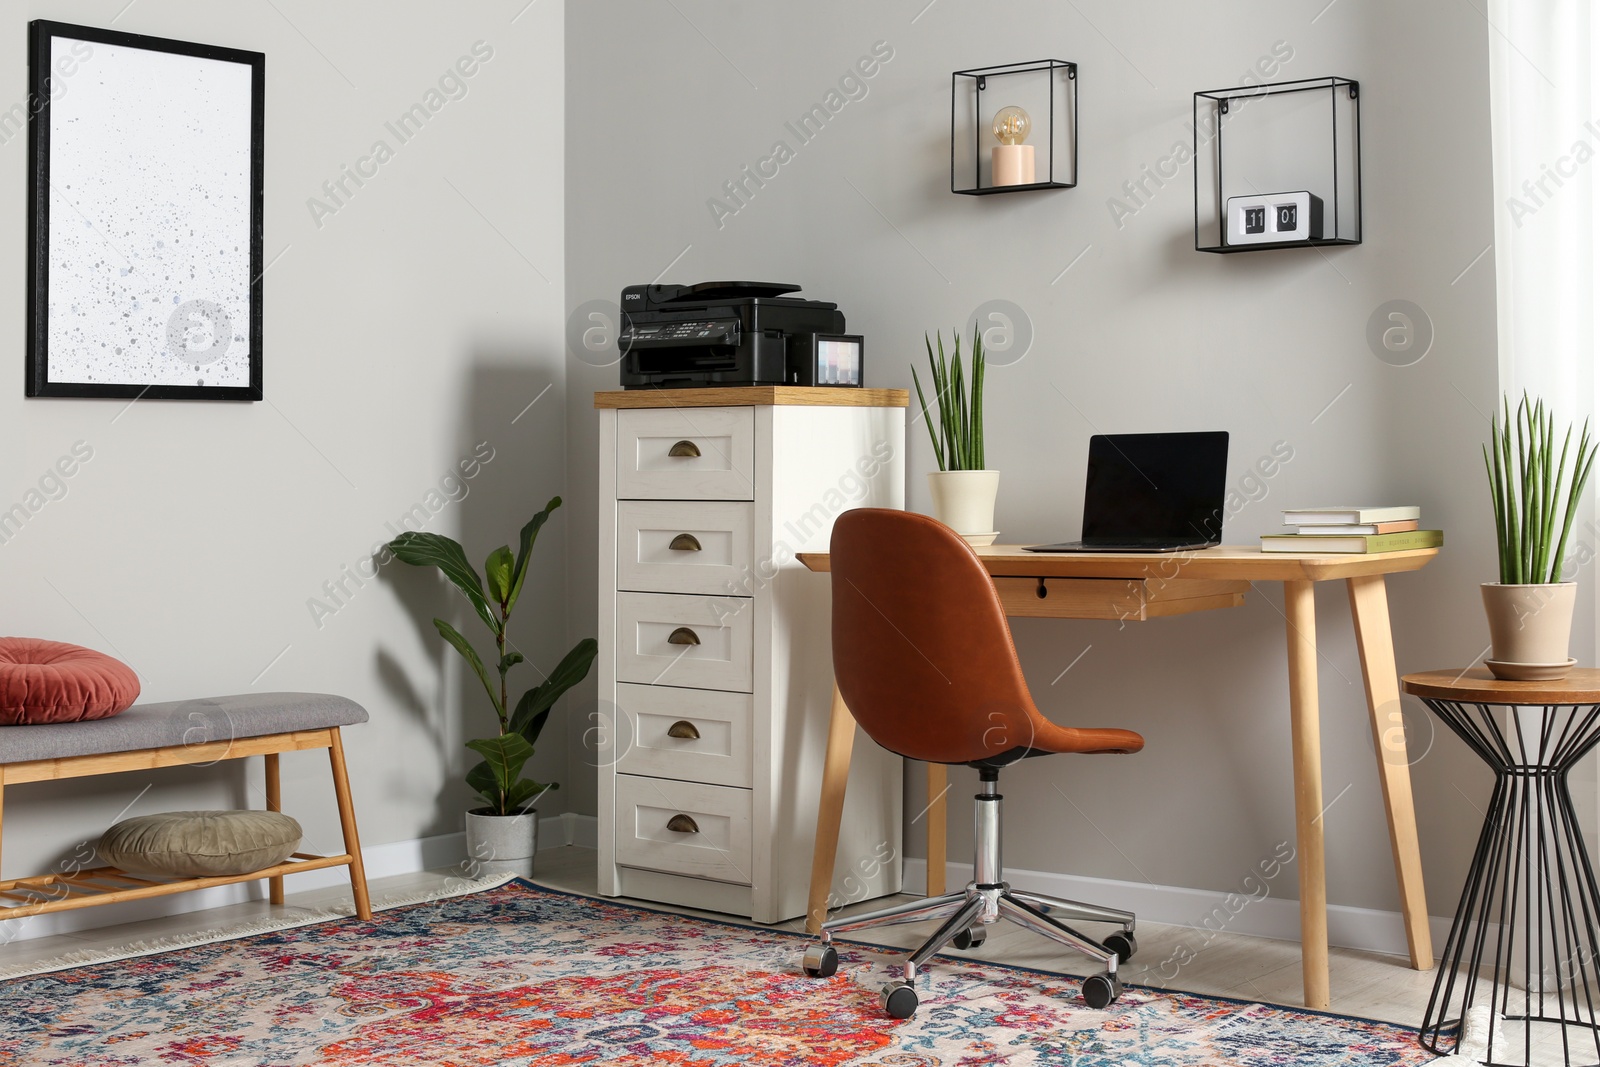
(190, 844)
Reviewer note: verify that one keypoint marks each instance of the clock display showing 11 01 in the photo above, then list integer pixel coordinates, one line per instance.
(1274, 217)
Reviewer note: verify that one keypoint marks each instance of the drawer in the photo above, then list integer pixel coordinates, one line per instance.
(677, 546)
(706, 642)
(686, 454)
(683, 828)
(693, 735)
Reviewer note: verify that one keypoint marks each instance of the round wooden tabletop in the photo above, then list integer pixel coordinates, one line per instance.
(1477, 686)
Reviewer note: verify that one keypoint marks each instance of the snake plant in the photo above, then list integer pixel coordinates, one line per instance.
(958, 439)
(1535, 497)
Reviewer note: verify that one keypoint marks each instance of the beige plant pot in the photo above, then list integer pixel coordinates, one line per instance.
(964, 500)
(1530, 628)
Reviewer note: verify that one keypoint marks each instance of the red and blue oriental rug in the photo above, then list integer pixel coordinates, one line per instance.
(519, 976)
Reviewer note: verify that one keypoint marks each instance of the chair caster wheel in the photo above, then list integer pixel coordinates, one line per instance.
(973, 938)
(1123, 944)
(899, 1000)
(1101, 990)
(820, 960)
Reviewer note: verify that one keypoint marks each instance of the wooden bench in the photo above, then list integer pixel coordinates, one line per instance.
(181, 733)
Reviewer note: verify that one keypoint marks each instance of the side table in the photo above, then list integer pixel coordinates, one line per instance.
(1524, 942)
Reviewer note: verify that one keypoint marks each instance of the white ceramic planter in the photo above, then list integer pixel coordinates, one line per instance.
(964, 500)
(1530, 627)
(502, 844)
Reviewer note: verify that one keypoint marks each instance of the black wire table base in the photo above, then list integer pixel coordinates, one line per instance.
(1524, 942)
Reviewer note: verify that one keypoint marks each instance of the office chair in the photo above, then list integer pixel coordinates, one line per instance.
(924, 660)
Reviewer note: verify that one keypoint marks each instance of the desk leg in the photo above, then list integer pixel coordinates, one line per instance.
(1299, 602)
(938, 788)
(347, 823)
(274, 803)
(830, 810)
(1369, 607)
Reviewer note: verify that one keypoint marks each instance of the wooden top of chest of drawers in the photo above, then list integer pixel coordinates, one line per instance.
(754, 396)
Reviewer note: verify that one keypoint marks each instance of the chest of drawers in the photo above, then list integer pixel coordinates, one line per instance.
(715, 668)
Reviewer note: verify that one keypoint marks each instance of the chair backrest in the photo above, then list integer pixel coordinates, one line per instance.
(921, 650)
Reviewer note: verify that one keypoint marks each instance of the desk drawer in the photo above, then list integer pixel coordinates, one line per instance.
(677, 546)
(683, 828)
(693, 735)
(686, 454)
(705, 642)
(1121, 599)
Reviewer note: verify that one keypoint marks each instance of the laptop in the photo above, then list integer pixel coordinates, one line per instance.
(1152, 492)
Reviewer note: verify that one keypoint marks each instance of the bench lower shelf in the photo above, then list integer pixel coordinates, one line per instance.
(108, 885)
(69, 890)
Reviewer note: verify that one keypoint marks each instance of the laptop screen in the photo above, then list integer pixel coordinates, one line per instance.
(1156, 485)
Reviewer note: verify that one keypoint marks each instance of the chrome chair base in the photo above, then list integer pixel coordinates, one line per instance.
(985, 901)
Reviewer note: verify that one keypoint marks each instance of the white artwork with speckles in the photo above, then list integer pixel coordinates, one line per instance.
(150, 218)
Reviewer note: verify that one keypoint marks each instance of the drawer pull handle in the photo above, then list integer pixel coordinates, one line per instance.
(682, 824)
(685, 450)
(685, 543)
(683, 636)
(685, 729)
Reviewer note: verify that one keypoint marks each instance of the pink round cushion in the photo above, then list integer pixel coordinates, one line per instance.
(49, 681)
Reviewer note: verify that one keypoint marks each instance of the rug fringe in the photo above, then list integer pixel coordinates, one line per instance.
(1473, 1045)
(302, 917)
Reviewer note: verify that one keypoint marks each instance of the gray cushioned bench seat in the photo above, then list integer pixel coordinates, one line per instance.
(180, 723)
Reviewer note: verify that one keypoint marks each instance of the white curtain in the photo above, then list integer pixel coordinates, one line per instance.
(1544, 95)
(1544, 99)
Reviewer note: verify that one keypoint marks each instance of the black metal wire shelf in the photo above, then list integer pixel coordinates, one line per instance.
(979, 83)
(986, 190)
(1320, 242)
(1214, 109)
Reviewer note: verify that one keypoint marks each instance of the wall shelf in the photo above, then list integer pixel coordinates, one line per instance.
(1225, 250)
(986, 190)
(1048, 90)
(1281, 137)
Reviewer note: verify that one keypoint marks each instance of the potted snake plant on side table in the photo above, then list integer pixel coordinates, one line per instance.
(503, 832)
(963, 489)
(1535, 505)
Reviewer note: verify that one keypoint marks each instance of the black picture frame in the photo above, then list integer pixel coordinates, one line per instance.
(47, 87)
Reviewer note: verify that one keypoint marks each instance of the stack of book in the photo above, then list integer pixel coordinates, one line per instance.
(1353, 529)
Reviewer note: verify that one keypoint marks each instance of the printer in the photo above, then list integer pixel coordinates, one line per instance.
(733, 333)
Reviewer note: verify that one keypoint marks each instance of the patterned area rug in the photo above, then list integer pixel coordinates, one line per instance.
(519, 976)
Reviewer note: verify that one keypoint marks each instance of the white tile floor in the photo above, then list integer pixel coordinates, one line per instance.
(1365, 984)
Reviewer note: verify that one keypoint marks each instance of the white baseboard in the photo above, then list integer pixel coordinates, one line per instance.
(1207, 912)
(583, 831)
(382, 861)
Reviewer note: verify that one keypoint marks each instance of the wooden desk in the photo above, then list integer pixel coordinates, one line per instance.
(1137, 586)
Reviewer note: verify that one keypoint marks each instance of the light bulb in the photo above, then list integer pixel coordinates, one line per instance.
(1011, 125)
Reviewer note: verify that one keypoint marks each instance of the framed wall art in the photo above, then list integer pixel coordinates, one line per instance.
(145, 179)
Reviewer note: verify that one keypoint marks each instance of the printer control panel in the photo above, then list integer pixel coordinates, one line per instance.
(691, 332)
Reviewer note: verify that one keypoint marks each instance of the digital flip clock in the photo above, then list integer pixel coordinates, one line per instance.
(1274, 217)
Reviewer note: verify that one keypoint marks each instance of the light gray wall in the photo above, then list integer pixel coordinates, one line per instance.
(1133, 330)
(414, 323)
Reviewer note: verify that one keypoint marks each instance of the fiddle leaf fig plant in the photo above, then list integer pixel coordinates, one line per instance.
(498, 779)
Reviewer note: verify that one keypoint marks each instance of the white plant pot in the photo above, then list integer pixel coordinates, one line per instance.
(1530, 625)
(964, 500)
(502, 844)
